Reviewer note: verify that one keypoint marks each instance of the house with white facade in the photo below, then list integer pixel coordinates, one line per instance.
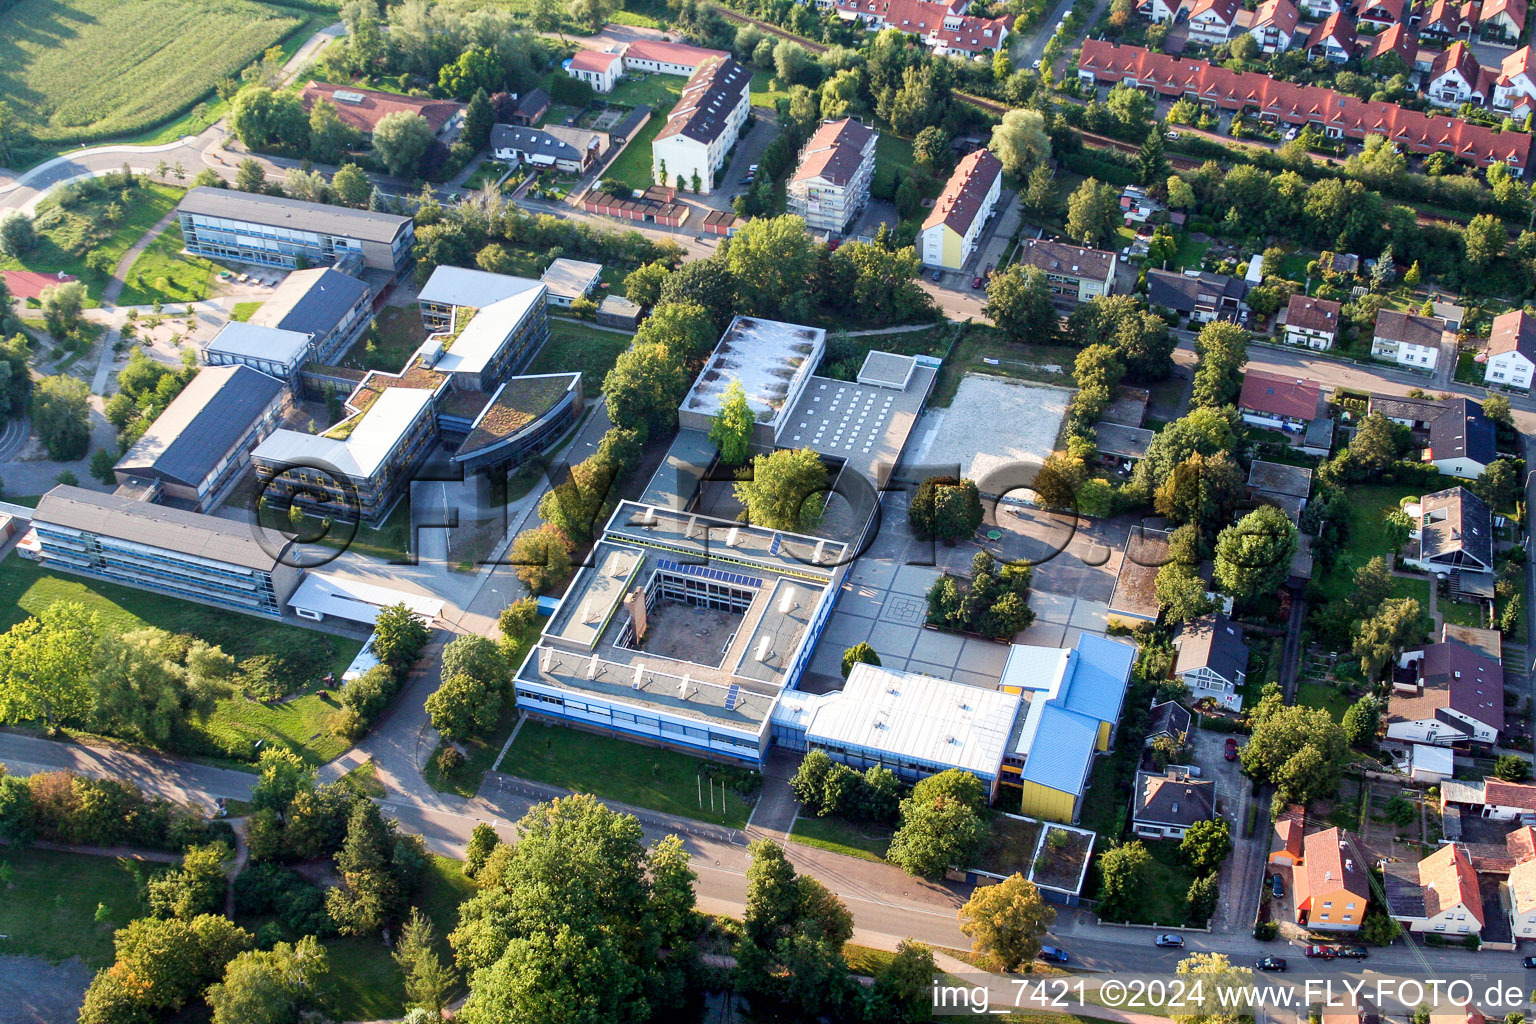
(1211, 21)
(655, 56)
(1514, 87)
(1312, 322)
(944, 26)
(708, 118)
(1456, 77)
(1522, 900)
(1072, 273)
(1509, 358)
(1462, 441)
(953, 227)
(1502, 21)
(1274, 25)
(829, 187)
(1438, 895)
(1212, 659)
(1333, 40)
(1165, 806)
(1408, 339)
(1452, 533)
(1159, 11)
(598, 68)
(1446, 694)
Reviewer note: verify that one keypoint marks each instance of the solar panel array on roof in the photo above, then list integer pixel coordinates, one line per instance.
(705, 572)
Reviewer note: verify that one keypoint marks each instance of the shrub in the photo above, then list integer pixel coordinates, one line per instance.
(450, 761)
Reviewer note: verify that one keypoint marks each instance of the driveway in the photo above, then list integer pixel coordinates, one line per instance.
(1241, 873)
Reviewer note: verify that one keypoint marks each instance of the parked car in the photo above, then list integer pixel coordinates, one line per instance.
(978, 281)
(1231, 750)
(1320, 952)
(1271, 963)
(1528, 961)
(1291, 133)
(1171, 136)
(938, 276)
(752, 169)
(1171, 941)
(1036, 65)
(1354, 952)
(1277, 886)
(1053, 955)
(745, 181)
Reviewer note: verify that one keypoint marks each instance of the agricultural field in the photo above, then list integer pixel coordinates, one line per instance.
(82, 71)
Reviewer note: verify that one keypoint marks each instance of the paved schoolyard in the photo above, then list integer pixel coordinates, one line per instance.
(997, 430)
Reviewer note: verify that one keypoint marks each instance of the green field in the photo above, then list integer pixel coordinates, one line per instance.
(55, 251)
(762, 93)
(1367, 535)
(868, 842)
(81, 71)
(297, 723)
(576, 348)
(49, 907)
(615, 769)
(162, 271)
(243, 311)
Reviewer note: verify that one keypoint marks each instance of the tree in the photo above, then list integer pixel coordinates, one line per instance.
(930, 150)
(786, 490)
(399, 637)
(479, 118)
(542, 556)
(482, 841)
(62, 305)
(1203, 490)
(476, 70)
(1020, 141)
(1221, 349)
(1361, 720)
(1484, 240)
(1214, 973)
(796, 930)
(644, 389)
(859, 654)
(902, 993)
(1512, 768)
(581, 500)
(1040, 192)
(1299, 749)
(1180, 195)
(1006, 921)
(17, 235)
(945, 508)
(643, 285)
(1019, 302)
(1122, 877)
(251, 176)
(1253, 556)
(61, 415)
(1181, 593)
(1093, 213)
(1203, 891)
(281, 776)
(1376, 445)
(263, 119)
(401, 139)
(1496, 408)
(941, 824)
(1206, 431)
(196, 889)
(1396, 528)
(428, 979)
(771, 260)
(1206, 844)
(463, 707)
(708, 282)
(272, 986)
(1151, 163)
(160, 965)
(1379, 638)
(379, 869)
(1500, 484)
(351, 186)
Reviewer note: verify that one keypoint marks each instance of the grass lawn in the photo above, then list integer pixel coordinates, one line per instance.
(486, 174)
(1367, 535)
(762, 94)
(633, 167)
(397, 332)
(980, 342)
(55, 252)
(364, 978)
(616, 769)
(390, 541)
(243, 311)
(1331, 699)
(1103, 803)
(659, 92)
(1462, 613)
(867, 842)
(164, 272)
(297, 723)
(1167, 885)
(579, 348)
(893, 158)
(1188, 253)
(50, 904)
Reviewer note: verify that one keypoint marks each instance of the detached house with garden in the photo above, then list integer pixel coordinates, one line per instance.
(1509, 358)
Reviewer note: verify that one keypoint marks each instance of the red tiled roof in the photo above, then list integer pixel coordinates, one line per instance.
(1514, 8)
(1396, 39)
(1515, 64)
(1338, 28)
(1313, 314)
(1279, 396)
(1282, 14)
(1384, 12)
(1458, 57)
(671, 53)
(1302, 104)
(1224, 10)
(961, 199)
(834, 151)
(975, 34)
(364, 115)
(594, 60)
(1514, 331)
(1498, 793)
(1448, 880)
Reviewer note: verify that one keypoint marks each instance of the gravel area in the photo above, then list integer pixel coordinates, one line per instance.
(34, 991)
(993, 424)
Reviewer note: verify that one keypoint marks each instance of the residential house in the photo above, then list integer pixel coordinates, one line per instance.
(1280, 403)
(1290, 836)
(275, 231)
(572, 150)
(598, 68)
(1446, 694)
(1333, 40)
(569, 280)
(709, 116)
(1285, 487)
(1396, 42)
(199, 448)
(1414, 413)
(942, 25)
(529, 108)
(1137, 206)
(1462, 441)
(1199, 295)
(1502, 21)
(362, 109)
(1490, 798)
(1159, 11)
(1274, 25)
(1121, 447)
(1212, 659)
(1332, 883)
(1337, 115)
(1437, 895)
(1446, 20)
(1509, 358)
(164, 550)
(1408, 339)
(1165, 806)
(952, 229)
(1316, 10)
(1456, 77)
(1073, 274)
(830, 185)
(1211, 21)
(653, 56)
(1380, 15)
(1522, 899)
(1514, 87)
(1453, 533)
(1168, 719)
(1312, 322)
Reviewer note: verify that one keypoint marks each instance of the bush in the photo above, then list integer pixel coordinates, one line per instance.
(450, 761)
(69, 808)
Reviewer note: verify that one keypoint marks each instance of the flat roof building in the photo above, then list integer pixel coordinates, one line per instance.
(200, 446)
(569, 280)
(772, 360)
(270, 350)
(278, 232)
(152, 547)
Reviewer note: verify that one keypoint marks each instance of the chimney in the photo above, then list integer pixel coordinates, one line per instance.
(634, 603)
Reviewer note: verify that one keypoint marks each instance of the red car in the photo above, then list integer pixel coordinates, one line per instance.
(1231, 751)
(977, 282)
(1321, 952)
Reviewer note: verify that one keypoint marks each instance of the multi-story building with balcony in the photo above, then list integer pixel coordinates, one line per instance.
(830, 186)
